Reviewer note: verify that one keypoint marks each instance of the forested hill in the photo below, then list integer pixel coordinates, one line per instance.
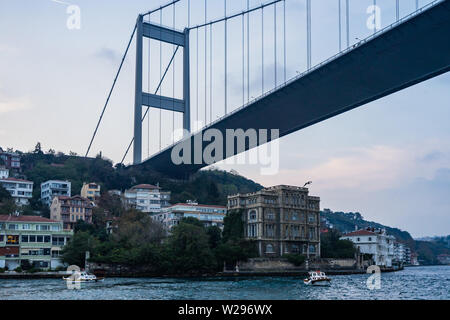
(207, 187)
(427, 250)
(346, 222)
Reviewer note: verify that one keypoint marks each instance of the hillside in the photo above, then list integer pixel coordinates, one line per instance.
(346, 221)
(207, 186)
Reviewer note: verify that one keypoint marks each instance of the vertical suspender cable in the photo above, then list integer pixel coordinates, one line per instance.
(196, 66)
(206, 105)
(160, 77)
(375, 13)
(243, 59)
(226, 49)
(347, 19)
(189, 25)
(417, 5)
(173, 80)
(308, 30)
(275, 41)
(262, 50)
(210, 71)
(397, 9)
(284, 37)
(248, 52)
(340, 26)
(148, 89)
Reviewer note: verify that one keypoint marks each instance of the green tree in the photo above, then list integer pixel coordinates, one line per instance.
(235, 250)
(193, 221)
(332, 247)
(137, 228)
(190, 251)
(74, 252)
(7, 203)
(233, 226)
(215, 236)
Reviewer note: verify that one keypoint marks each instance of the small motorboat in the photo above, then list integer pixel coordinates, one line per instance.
(83, 277)
(317, 278)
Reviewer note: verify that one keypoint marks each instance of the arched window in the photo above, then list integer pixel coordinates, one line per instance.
(269, 248)
(252, 215)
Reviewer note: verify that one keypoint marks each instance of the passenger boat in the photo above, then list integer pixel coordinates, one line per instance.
(84, 277)
(317, 278)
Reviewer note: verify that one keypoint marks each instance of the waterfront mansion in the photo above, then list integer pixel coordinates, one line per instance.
(281, 219)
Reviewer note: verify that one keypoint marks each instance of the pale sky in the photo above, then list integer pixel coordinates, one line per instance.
(389, 160)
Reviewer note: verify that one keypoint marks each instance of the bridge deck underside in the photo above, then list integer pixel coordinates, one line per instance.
(414, 51)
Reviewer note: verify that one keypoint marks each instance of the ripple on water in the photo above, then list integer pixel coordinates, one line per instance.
(411, 283)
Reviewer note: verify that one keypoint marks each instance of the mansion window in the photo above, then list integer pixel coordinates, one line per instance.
(270, 230)
(269, 248)
(312, 233)
(296, 231)
(270, 216)
(252, 231)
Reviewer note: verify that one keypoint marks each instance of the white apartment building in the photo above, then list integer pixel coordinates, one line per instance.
(20, 190)
(400, 252)
(52, 188)
(4, 173)
(208, 214)
(146, 198)
(375, 242)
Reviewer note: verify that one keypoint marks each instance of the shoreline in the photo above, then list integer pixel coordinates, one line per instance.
(230, 274)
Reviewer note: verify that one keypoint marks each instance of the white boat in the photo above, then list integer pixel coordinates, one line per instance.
(83, 277)
(317, 278)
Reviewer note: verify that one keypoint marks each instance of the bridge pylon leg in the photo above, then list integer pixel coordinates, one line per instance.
(137, 146)
(186, 84)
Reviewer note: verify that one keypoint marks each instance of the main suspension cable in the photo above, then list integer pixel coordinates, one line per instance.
(111, 91)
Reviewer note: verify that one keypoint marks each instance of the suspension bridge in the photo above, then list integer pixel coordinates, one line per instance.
(412, 49)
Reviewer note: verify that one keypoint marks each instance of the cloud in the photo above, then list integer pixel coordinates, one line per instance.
(108, 54)
(14, 104)
(368, 169)
(432, 156)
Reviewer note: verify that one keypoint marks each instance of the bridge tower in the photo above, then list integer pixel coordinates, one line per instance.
(147, 99)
